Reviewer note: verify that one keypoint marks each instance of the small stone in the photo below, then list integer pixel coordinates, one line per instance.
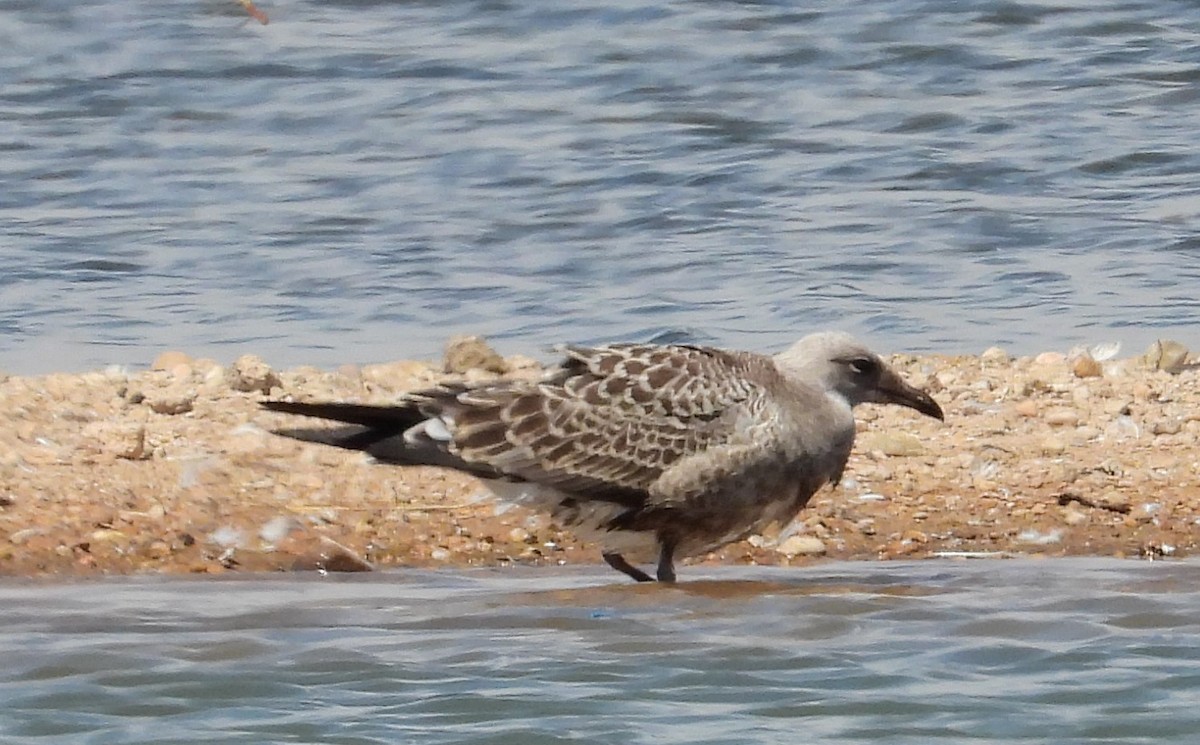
(1112, 500)
(1050, 359)
(893, 443)
(1146, 513)
(227, 537)
(1166, 427)
(1062, 416)
(249, 373)
(23, 535)
(277, 528)
(131, 444)
(1027, 408)
(802, 545)
(1085, 366)
(158, 550)
(1040, 538)
(465, 353)
(171, 401)
(106, 536)
(171, 360)
(1166, 355)
(331, 556)
(398, 376)
(1053, 445)
(994, 356)
(1072, 515)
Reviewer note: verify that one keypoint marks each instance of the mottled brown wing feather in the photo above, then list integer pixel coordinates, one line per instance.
(610, 420)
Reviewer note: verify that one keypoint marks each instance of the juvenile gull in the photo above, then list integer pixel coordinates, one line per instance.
(657, 452)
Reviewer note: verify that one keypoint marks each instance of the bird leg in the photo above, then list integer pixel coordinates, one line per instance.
(666, 561)
(618, 562)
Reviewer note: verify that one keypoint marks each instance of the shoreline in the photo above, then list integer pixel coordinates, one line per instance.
(175, 470)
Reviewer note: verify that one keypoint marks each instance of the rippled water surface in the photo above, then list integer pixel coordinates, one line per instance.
(360, 179)
(1064, 651)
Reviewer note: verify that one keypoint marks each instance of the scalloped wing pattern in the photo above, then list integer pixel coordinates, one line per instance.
(609, 421)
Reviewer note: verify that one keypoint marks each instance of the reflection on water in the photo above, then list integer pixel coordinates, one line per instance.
(1076, 650)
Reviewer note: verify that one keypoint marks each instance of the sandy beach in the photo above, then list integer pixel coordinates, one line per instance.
(175, 469)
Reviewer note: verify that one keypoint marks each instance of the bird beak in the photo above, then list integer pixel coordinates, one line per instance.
(893, 390)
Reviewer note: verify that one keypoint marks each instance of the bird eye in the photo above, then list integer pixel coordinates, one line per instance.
(864, 366)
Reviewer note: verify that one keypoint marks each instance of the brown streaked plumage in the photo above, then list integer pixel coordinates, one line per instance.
(658, 451)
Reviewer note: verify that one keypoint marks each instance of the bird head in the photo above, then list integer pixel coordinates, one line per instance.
(841, 365)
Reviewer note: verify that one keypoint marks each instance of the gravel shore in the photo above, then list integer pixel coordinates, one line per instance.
(176, 470)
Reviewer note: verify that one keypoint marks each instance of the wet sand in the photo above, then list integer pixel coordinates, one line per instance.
(176, 470)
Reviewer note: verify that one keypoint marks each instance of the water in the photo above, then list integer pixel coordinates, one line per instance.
(361, 179)
(1065, 651)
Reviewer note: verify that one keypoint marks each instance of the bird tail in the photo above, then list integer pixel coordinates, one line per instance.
(394, 418)
(380, 422)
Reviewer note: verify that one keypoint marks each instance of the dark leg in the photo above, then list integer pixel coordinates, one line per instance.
(617, 561)
(666, 561)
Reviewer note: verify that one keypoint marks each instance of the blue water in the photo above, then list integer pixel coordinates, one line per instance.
(1067, 651)
(359, 180)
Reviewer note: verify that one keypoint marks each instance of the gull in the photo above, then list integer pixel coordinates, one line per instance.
(656, 452)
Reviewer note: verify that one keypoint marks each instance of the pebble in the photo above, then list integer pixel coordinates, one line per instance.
(1052, 445)
(106, 535)
(1113, 500)
(1072, 515)
(227, 537)
(1061, 416)
(467, 353)
(249, 373)
(802, 545)
(994, 356)
(892, 443)
(21, 536)
(1166, 355)
(1166, 427)
(1085, 366)
(331, 556)
(171, 401)
(1027, 408)
(1040, 538)
(159, 550)
(397, 376)
(169, 361)
(277, 528)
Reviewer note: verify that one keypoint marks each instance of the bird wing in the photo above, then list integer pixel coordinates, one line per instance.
(608, 421)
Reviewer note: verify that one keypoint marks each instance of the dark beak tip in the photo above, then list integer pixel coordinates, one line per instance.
(927, 406)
